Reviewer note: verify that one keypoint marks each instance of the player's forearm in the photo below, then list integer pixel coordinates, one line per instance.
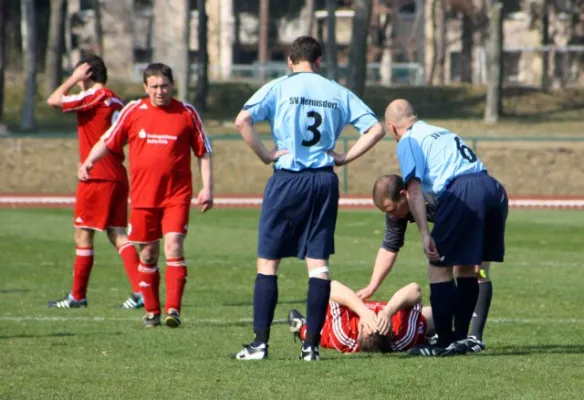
(206, 168)
(55, 99)
(344, 296)
(246, 129)
(418, 206)
(365, 142)
(98, 151)
(383, 265)
(406, 297)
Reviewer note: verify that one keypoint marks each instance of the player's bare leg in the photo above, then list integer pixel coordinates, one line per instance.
(149, 282)
(175, 276)
(127, 251)
(81, 271)
(265, 299)
(319, 289)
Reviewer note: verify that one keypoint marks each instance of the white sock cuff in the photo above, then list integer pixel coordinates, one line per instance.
(317, 271)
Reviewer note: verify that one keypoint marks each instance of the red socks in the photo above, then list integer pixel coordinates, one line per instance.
(149, 283)
(176, 277)
(131, 261)
(81, 271)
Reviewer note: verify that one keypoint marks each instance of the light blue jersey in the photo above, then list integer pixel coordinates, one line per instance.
(307, 114)
(435, 156)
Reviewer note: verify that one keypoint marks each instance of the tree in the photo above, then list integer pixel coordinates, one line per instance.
(203, 60)
(331, 40)
(441, 42)
(53, 62)
(3, 18)
(263, 56)
(182, 59)
(495, 65)
(97, 28)
(28, 32)
(310, 7)
(357, 73)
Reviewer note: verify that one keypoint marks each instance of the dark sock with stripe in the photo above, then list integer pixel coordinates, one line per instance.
(443, 301)
(265, 299)
(319, 291)
(467, 291)
(481, 311)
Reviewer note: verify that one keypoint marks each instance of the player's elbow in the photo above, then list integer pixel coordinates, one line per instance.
(243, 119)
(377, 131)
(414, 292)
(53, 103)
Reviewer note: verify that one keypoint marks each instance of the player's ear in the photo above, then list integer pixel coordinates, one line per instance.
(403, 193)
(146, 88)
(317, 62)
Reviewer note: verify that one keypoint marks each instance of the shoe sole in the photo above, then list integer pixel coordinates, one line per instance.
(172, 322)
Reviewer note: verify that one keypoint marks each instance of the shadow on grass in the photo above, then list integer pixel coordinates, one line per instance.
(536, 349)
(57, 335)
(7, 291)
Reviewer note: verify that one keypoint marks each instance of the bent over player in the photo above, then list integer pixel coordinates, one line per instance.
(101, 203)
(307, 114)
(469, 224)
(161, 132)
(390, 196)
(353, 325)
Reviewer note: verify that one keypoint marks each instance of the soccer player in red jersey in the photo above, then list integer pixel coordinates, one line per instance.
(353, 325)
(161, 132)
(102, 201)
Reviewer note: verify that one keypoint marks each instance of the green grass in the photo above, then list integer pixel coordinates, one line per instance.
(535, 335)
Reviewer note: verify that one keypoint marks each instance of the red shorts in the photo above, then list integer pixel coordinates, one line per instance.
(151, 224)
(101, 204)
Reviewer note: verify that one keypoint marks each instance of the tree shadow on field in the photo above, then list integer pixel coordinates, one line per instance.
(536, 349)
(250, 303)
(5, 291)
(56, 335)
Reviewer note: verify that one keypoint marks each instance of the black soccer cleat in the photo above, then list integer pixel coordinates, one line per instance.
(309, 353)
(252, 353)
(172, 320)
(151, 320)
(68, 302)
(295, 323)
(430, 351)
(474, 345)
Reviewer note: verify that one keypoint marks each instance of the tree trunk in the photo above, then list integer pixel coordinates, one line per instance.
(441, 43)
(495, 65)
(331, 40)
(434, 64)
(357, 73)
(28, 32)
(182, 60)
(203, 60)
(3, 20)
(467, 47)
(264, 30)
(97, 28)
(545, 40)
(310, 6)
(53, 61)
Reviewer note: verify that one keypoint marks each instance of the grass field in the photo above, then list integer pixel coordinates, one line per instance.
(535, 337)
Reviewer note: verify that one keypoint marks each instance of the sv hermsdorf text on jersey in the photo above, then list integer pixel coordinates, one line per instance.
(303, 101)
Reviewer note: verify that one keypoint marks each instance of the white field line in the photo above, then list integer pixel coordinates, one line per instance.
(218, 321)
(9, 200)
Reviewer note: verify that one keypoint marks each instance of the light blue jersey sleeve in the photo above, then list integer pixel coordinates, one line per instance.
(411, 159)
(359, 114)
(261, 105)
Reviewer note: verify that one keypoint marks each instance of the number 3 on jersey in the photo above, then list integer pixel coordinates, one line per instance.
(313, 129)
(465, 151)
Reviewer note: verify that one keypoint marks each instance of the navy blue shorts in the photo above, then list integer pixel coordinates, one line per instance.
(470, 221)
(299, 214)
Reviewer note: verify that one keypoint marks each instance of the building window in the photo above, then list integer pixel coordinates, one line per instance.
(142, 56)
(511, 62)
(85, 5)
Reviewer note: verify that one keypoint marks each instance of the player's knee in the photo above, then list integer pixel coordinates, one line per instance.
(173, 246)
(117, 236)
(149, 253)
(83, 238)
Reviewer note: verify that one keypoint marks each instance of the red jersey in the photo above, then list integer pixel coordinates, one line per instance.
(341, 327)
(160, 140)
(96, 110)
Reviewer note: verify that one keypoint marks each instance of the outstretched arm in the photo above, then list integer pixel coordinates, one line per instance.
(383, 265)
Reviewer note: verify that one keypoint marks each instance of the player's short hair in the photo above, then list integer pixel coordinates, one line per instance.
(375, 343)
(305, 48)
(158, 69)
(387, 187)
(97, 68)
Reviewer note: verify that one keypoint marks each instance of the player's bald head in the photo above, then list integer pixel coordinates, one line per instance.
(400, 112)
